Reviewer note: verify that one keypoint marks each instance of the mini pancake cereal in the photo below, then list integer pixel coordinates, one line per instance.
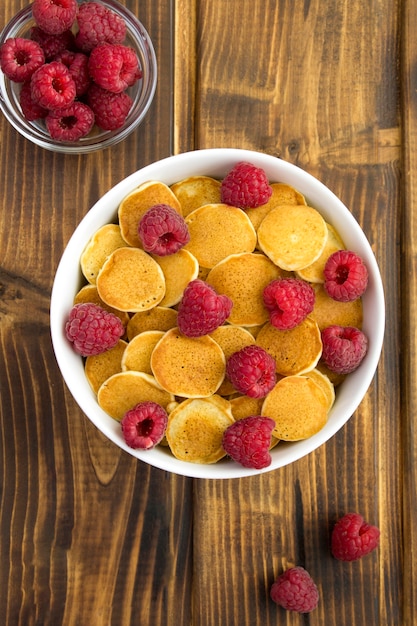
(238, 253)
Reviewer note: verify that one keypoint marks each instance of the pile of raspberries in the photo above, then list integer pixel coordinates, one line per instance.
(74, 68)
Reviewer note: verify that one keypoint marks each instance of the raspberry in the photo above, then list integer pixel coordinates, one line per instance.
(92, 330)
(345, 276)
(344, 347)
(295, 590)
(251, 371)
(98, 24)
(20, 58)
(201, 309)
(52, 86)
(71, 123)
(110, 109)
(30, 109)
(248, 440)
(144, 426)
(54, 16)
(52, 44)
(114, 67)
(353, 538)
(289, 301)
(245, 186)
(162, 230)
(77, 63)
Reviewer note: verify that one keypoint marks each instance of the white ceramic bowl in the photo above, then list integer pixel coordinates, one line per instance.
(216, 163)
(142, 92)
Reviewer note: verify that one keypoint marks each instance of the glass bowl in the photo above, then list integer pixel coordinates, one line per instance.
(142, 92)
(216, 163)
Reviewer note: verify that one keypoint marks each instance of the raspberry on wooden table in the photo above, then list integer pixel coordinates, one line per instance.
(114, 67)
(92, 330)
(202, 309)
(54, 16)
(289, 301)
(20, 58)
(111, 109)
(345, 276)
(251, 371)
(98, 24)
(245, 186)
(295, 590)
(247, 441)
(344, 348)
(162, 230)
(52, 86)
(71, 123)
(144, 425)
(352, 538)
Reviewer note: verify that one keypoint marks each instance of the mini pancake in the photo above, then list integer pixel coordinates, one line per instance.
(314, 272)
(195, 429)
(217, 230)
(191, 367)
(298, 407)
(325, 385)
(179, 269)
(104, 241)
(282, 194)
(158, 318)
(243, 277)
(137, 355)
(293, 237)
(195, 191)
(328, 312)
(134, 206)
(295, 351)
(335, 379)
(89, 293)
(231, 339)
(244, 406)
(130, 280)
(123, 391)
(99, 367)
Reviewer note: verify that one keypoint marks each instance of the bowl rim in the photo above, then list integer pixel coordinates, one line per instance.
(141, 101)
(216, 162)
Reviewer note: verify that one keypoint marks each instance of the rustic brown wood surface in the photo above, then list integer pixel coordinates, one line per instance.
(88, 535)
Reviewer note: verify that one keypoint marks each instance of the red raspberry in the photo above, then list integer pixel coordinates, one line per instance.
(248, 440)
(20, 58)
(251, 371)
(295, 590)
(110, 109)
(353, 538)
(52, 44)
(202, 309)
(98, 24)
(162, 230)
(71, 123)
(53, 86)
(30, 109)
(77, 63)
(144, 426)
(54, 16)
(92, 330)
(289, 301)
(345, 276)
(245, 186)
(114, 67)
(344, 347)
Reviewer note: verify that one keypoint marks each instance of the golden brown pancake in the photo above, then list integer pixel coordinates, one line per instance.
(195, 429)
(328, 312)
(179, 269)
(243, 277)
(137, 355)
(298, 407)
(158, 318)
(99, 367)
(104, 241)
(282, 194)
(217, 230)
(325, 385)
(190, 367)
(130, 280)
(295, 351)
(195, 191)
(134, 206)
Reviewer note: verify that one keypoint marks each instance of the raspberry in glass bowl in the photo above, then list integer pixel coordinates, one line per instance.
(96, 118)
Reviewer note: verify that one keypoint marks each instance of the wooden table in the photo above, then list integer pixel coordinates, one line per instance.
(88, 535)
